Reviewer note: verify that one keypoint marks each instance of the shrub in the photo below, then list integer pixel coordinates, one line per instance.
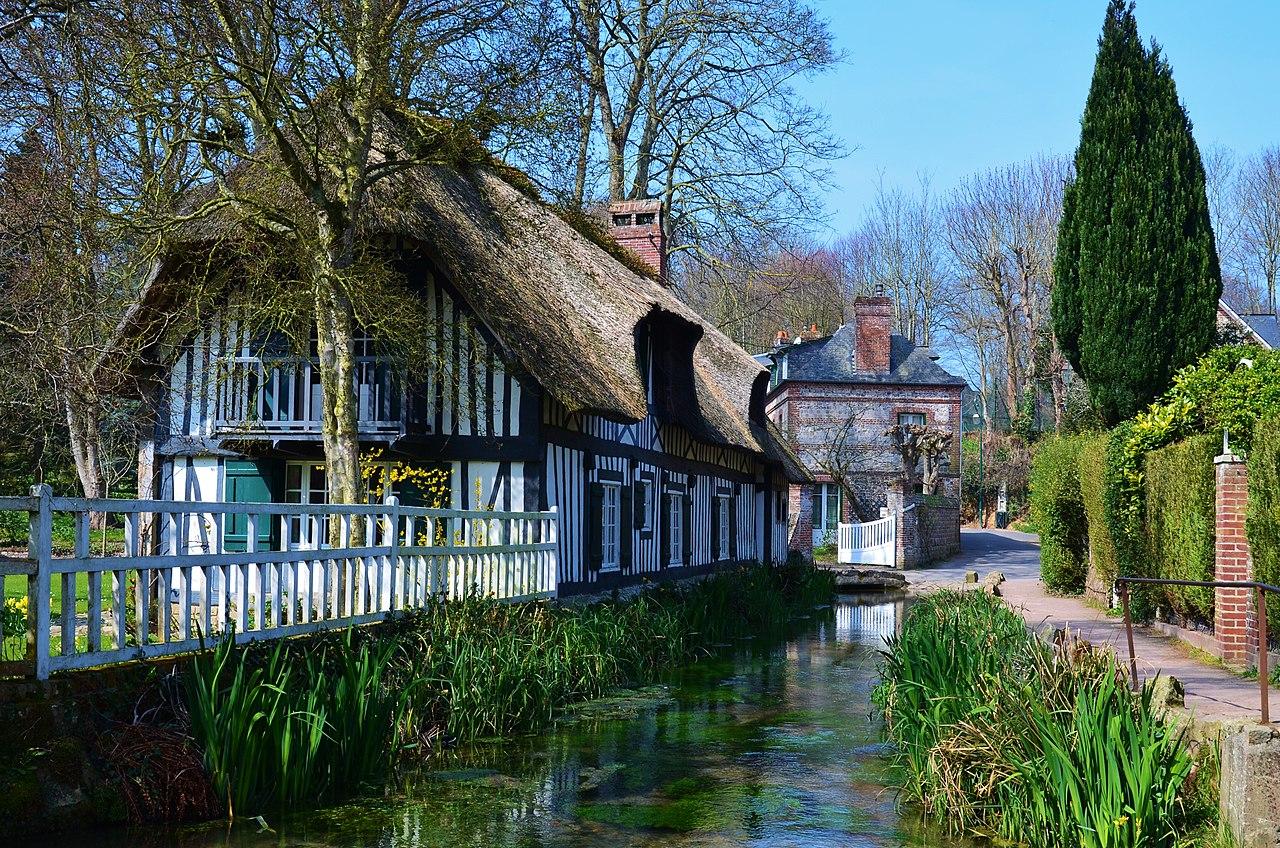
(1001, 734)
(1262, 520)
(1058, 513)
(1093, 471)
(1180, 521)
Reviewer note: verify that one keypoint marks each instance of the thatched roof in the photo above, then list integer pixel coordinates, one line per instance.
(560, 304)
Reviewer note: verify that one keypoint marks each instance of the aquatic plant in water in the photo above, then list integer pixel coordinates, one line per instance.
(999, 733)
(312, 720)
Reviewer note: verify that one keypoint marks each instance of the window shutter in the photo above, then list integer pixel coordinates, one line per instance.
(688, 527)
(717, 504)
(595, 527)
(626, 521)
(252, 481)
(733, 524)
(664, 524)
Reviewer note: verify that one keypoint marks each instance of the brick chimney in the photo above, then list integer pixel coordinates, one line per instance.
(638, 226)
(872, 320)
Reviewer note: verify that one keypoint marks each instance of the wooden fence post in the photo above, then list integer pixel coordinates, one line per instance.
(40, 552)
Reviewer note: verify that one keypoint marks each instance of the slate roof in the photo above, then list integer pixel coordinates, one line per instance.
(1267, 328)
(830, 360)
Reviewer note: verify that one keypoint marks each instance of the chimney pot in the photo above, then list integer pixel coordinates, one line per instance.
(637, 225)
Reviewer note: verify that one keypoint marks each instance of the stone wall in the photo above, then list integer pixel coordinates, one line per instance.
(928, 527)
(1250, 787)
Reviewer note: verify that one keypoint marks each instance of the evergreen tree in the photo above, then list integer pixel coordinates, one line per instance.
(1136, 276)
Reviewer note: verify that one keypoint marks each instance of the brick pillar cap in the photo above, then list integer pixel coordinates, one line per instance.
(1228, 459)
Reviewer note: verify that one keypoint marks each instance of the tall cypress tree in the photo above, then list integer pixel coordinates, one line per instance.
(1137, 280)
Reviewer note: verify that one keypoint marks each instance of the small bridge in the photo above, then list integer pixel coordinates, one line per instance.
(870, 543)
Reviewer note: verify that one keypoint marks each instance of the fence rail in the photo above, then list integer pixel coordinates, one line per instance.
(191, 572)
(1259, 624)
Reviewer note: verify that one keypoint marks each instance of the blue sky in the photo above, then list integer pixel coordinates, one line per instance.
(949, 87)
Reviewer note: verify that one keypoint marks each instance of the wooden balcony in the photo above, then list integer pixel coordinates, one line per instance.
(257, 398)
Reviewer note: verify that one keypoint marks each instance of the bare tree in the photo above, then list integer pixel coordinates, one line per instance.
(695, 104)
(921, 448)
(900, 248)
(1258, 198)
(845, 450)
(1002, 230)
(308, 107)
(86, 170)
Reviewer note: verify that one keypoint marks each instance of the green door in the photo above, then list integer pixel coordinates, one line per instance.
(251, 481)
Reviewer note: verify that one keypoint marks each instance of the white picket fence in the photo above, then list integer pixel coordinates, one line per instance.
(870, 543)
(176, 587)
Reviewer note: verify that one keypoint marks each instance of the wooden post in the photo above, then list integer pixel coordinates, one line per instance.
(1128, 632)
(40, 552)
(1264, 678)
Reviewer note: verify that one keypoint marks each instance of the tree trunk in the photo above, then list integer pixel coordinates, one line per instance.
(585, 122)
(86, 450)
(335, 343)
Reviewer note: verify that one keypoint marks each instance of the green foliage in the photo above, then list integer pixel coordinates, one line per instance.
(313, 720)
(1057, 511)
(1003, 735)
(281, 727)
(1262, 520)
(1180, 521)
(1230, 387)
(1093, 474)
(1136, 273)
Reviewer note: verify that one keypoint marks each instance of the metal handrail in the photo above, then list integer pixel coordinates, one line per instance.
(1260, 624)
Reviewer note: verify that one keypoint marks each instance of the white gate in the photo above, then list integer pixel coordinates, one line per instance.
(872, 543)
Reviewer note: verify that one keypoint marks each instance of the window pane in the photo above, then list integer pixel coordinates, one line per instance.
(817, 505)
(833, 505)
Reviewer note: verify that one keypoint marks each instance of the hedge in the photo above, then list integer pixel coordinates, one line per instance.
(1093, 471)
(1179, 494)
(1262, 519)
(1058, 513)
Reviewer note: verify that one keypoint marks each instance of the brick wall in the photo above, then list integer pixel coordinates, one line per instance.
(1233, 608)
(800, 520)
(873, 322)
(928, 528)
(637, 226)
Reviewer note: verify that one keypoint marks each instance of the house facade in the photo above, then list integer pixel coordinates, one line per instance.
(561, 379)
(1259, 328)
(835, 396)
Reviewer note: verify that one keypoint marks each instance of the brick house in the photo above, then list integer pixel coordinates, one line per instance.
(836, 395)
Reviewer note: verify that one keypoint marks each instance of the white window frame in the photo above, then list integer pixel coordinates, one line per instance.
(611, 529)
(919, 418)
(723, 521)
(646, 492)
(823, 494)
(675, 522)
(302, 536)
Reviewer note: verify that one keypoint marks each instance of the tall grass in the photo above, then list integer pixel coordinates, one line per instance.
(1002, 734)
(309, 721)
(280, 726)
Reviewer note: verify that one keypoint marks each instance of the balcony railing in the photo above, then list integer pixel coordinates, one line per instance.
(257, 397)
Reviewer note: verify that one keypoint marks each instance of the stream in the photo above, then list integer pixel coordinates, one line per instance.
(773, 745)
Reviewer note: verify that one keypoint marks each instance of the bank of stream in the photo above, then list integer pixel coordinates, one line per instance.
(773, 745)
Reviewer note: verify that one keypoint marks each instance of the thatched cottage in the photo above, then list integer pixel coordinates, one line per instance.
(572, 382)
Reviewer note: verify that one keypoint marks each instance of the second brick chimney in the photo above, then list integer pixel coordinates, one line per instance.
(872, 323)
(638, 226)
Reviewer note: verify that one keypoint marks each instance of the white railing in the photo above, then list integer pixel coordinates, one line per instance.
(192, 572)
(284, 397)
(872, 543)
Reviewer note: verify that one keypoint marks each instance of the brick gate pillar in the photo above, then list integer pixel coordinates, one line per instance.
(1232, 608)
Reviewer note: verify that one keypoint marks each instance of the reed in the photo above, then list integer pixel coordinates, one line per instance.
(308, 721)
(1001, 734)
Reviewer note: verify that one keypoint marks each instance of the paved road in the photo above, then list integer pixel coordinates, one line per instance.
(1212, 692)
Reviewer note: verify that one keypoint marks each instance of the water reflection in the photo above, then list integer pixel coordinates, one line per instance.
(773, 746)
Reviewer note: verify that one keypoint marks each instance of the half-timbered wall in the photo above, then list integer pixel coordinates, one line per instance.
(467, 390)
